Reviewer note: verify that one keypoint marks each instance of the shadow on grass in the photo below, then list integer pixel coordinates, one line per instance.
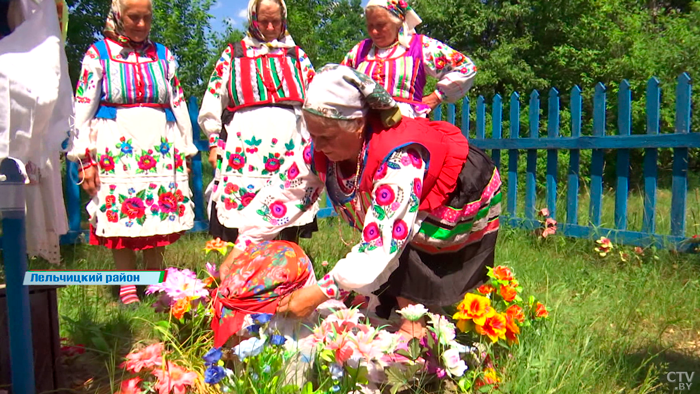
(652, 366)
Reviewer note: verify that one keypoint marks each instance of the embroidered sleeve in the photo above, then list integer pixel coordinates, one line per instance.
(454, 70)
(349, 59)
(307, 69)
(279, 204)
(87, 100)
(389, 225)
(216, 98)
(179, 107)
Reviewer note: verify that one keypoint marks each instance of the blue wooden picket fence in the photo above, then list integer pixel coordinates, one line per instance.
(680, 141)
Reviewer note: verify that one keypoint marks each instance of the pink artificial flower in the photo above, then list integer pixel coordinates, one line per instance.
(544, 212)
(180, 284)
(365, 347)
(130, 386)
(343, 348)
(173, 378)
(343, 320)
(212, 270)
(150, 357)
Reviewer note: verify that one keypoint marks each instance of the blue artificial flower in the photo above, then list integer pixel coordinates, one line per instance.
(278, 340)
(214, 374)
(336, 371)
(335, 388)
(254, 329)
(249, 348)
(213, 356)
(266, 369)
(261, 318)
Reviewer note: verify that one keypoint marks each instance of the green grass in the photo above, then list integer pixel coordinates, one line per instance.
(615, 327)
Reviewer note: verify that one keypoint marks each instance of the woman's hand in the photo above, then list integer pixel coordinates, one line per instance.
(432, 100)
(213, 156)
(90, 180)
(302, 302)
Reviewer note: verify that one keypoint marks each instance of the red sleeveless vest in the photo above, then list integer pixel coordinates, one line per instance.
(447, 147)
(265, 79)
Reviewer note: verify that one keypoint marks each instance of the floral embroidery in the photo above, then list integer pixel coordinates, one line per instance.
(147, 162)
(161, 203)
(164, 147)
(125, 147)
(307, 154)
(221, 69)
(273, 161)
(329, 287)
(371, 237)
(274, 212)
(236, 161)
(399, 235)
(106, 162)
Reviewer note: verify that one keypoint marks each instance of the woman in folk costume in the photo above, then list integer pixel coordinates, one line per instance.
(259, 86)
(400, 60)
(428, 231)
(133, 140)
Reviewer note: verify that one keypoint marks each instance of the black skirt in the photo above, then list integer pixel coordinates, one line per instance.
(443, 279)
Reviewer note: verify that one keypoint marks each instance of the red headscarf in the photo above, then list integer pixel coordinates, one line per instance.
(261, 276)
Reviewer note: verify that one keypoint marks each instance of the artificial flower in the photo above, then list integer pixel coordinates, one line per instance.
(604, 246)
(486, 289)
(444, 329)
(503, 273)
(130, 386)
(251, 347)
(180, 284)
(494, 326)
(454, 365)
(181, 307)
(540, 310)
(512, 329)
(214, 374)
(149, 357)
(213, 356)
(217, 245)
(508, 293)
(173, 378)
(516, 312)
(474, 307)
(413, 312)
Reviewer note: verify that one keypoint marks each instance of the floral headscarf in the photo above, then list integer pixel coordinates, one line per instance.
(255, 38)
(114, 28)
(340, 92)
(261, 276)
(405, 13)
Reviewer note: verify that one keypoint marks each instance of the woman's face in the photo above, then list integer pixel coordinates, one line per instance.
(336, 142)
(136, 19)
(382, 28)
(269, 20)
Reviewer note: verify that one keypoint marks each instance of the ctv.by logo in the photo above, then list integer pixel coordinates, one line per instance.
(683, 380)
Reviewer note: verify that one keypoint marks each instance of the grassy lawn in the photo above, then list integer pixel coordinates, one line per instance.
(615, 327)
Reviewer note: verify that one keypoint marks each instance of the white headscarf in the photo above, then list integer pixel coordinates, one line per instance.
(340, 92)
(254, 37)
(401, 10)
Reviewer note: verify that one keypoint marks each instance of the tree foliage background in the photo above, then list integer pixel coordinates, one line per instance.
(517, 45)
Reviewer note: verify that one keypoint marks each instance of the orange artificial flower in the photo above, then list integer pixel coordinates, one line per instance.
(217, 245)
(508, 293)
(540, 310)
(490, 377)
(181, 307)
(474, 307)
(516, 312)
(503, 273)
(494, 326)
(485, 289)
(512, 329)
(208, 281)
